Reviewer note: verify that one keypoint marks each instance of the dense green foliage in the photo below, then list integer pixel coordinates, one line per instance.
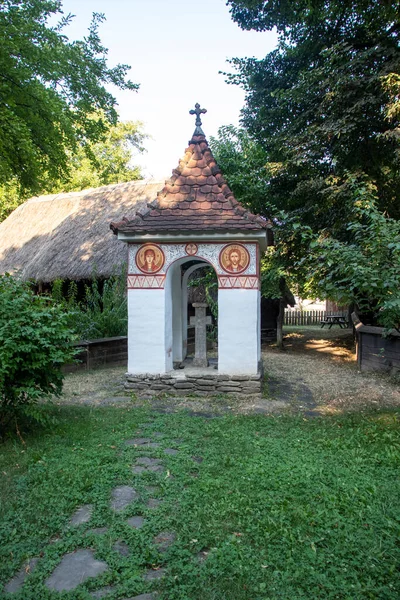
(285, 507)
(110, 160)
(364, 269)
(104, 162)
(321, 120)
(10, 198)
(50, 88)
(102, 312)
(34, 344)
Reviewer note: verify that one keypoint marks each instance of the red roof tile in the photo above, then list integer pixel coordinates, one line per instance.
(195, 198)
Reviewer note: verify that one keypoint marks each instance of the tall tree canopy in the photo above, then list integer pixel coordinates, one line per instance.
(326, 102)
(324, 107)
(49, 89)
(109, 160)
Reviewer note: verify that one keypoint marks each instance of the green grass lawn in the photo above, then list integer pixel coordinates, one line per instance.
(285, 507)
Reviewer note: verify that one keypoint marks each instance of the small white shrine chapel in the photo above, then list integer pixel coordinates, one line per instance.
(194, 219)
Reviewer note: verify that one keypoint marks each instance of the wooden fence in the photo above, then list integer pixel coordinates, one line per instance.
(100, 353)
(306, 317)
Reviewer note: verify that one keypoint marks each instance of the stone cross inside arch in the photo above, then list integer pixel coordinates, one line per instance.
(198, 111)
(200, 321)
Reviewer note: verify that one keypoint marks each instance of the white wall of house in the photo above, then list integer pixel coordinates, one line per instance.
(146, 332)
(238, 331)
(157, 326)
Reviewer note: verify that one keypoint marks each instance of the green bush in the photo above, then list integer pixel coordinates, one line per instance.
(35, 341)
(102, 312)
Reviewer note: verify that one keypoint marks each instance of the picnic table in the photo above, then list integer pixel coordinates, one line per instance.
(334, 320)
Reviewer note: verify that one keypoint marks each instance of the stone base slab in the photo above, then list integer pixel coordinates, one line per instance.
(176, 383)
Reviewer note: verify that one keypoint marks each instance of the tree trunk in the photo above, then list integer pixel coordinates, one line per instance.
(279, 324)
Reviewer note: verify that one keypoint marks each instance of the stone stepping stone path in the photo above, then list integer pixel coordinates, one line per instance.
(148, 462)
(145, 463)
(122, 496)
(152, 596)
(198, 459)
(75, 568)
(97, 530)
(82, 515)
(136, 522)
(153, 503)
(154, 574)
(202, 555)
(103, 592)
(164, 540)
(152, 489)
(18, 580)
(138, 442)
(122, 548)
(146, 442)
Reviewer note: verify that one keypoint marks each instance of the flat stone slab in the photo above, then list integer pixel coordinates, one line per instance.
(154, 503)
(198, 459)
(164, 540)
(17, 581)
(98, 530)
(156, 468)
(82, 515)
(171, 451)
(74, 569)
(137, 442)
(147, 461)
(122, 548)
(136, 522)
(122, 496)
(152, 489)
(153, 574)
(103, 592)
(151, 596)
(138, 469)
(202, 555)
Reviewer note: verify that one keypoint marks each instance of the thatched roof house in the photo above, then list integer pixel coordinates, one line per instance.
(68, 235)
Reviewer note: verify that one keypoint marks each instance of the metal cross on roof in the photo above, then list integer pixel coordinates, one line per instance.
(198, 111)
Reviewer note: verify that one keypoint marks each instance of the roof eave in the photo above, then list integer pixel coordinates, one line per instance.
(253, 235)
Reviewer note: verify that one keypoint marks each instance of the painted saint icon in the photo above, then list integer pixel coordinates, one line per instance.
(234, 258)
(191, 248)
(150, 258)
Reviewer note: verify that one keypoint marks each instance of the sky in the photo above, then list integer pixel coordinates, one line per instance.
(176, 49)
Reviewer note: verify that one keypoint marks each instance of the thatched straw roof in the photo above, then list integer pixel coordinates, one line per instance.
(68, 235)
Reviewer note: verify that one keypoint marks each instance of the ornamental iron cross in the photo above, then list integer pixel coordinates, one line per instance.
(198, 111)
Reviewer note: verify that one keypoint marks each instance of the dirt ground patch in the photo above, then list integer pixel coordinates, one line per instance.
(316, 373)
(319, 369)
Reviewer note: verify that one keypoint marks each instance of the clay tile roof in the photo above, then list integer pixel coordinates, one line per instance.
(195, 198)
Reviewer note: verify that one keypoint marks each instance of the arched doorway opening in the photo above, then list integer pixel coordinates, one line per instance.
(177, 313)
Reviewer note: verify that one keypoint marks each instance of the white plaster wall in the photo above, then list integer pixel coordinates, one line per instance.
(259, 327)
(168, 337)
(238, 331)
(146, 331)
